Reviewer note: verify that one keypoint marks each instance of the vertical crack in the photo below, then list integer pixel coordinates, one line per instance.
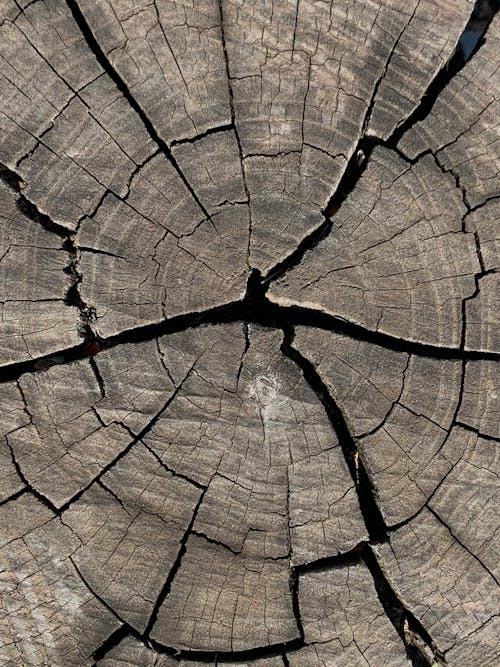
(31, 211)
(372, 516)
(233, 122)
(359, 158)
(104, 62)
(165, 590)
(420, 646)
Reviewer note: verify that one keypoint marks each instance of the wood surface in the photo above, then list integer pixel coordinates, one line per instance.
(249, 334)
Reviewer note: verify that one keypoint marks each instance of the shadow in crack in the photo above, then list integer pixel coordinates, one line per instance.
(479, 21)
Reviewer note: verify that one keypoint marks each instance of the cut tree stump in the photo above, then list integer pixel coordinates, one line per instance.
(249, 342)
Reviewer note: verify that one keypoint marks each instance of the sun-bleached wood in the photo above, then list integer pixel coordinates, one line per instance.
(249, 333)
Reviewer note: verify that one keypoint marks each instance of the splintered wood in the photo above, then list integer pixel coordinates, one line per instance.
(249, 333)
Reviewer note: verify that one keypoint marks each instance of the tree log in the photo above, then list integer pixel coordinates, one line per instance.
(249, 340)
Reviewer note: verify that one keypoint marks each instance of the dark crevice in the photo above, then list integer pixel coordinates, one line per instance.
(469, 43)
(97, 251)
(111, 642)
(308, 243)
(254, 308)
(103, 61)
(98, 377)
(475, 208)
(372, 516)
(294, 592)
(352, 557)
(419, 644)
(221, 657)
(73, 296)
(352, 173)
(484, 436)
(27, 208)
(115, 497)
(30, 211)
(247, 347)
(64, 356)
(165, 590)
(481, 18)
(14, 496)
(218, 543)
(449, 172)
(11, 178)
(211, 130)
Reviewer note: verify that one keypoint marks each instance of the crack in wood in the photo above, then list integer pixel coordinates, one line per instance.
(422, 646)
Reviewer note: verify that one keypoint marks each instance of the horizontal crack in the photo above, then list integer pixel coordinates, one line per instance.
(211, 130)
(270, 651)
(254, 308)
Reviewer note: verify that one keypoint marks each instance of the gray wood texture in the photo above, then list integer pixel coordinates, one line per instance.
(249, 334)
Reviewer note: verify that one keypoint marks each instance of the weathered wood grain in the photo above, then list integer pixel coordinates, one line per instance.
(171, 55)
(443, 585)
(249, 333)
(131, 526)
(86, 160)
(467, 499)
(481, 398)
(12, 417)
(64, 446)
(461, 129)
(304, 78)
(464, 139)
(39, 72)
(131, 653)
(266, 71)
(48, 615)
(253, 421)
(396, 260)
(401, 408)
(344, 622)
(155, 273)
(258, 440)
(35, 320)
